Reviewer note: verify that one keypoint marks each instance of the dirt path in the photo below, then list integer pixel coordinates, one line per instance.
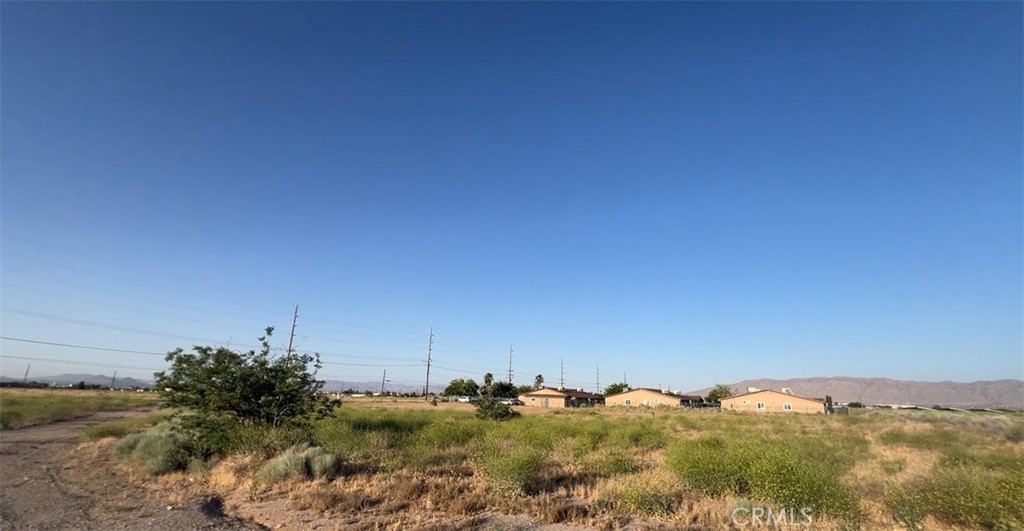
(48, 482)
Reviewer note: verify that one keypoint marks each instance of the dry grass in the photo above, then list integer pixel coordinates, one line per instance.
(27, 407)
(411, 465)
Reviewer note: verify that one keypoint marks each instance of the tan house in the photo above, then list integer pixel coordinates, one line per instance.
(772, 401)
(643, 396)
(552, 398)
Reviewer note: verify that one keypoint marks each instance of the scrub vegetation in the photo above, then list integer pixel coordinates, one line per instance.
(609, 468)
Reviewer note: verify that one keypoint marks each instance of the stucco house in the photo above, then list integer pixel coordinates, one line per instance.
(552, 397)
(772, 401)
(643, 396)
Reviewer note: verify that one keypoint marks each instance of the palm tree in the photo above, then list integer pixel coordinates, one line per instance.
(538, 381)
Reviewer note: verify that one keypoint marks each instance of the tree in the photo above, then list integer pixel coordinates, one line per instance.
(616, 388)
(244, 387)
(523, 389)
(718, 392)
(538, 381)
(462, 387)
(502, 390)
(488, 379)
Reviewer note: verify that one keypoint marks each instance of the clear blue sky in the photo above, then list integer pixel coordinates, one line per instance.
(689, 193)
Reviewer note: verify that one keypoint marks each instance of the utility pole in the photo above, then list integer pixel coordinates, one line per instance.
(597, 384)
(510, 363)
(24, 380)
(624, 379)
(430, 352)
(112, 379)
(291, 338)
(561, 374)
(382, 380)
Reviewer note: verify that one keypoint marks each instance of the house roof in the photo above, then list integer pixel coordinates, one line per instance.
(692, 398)
(773, 391)
(573, 393)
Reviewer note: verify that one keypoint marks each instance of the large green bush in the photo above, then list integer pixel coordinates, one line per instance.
(243, 387)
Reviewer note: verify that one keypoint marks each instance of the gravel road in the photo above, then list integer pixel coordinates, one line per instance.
(48, 482)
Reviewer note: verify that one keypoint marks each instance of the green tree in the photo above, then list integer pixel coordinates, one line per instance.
(502, 390)
(488, 379)
(244, 387)
(538, 381)
(718, 392)
(462, 387)
(522, 389)
(616, 388)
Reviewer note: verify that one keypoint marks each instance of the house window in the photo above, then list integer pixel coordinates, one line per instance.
(760, 405)
(647, 402)
(629, 402)
(787, 406)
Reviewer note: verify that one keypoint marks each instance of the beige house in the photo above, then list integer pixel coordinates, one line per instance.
(552, 398)
(643, 396)
(772, 401)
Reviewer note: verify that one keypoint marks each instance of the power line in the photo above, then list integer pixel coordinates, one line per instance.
(125, 351)
(108, 326)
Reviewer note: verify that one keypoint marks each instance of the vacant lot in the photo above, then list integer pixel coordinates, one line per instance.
(405, 464)
(25, 407)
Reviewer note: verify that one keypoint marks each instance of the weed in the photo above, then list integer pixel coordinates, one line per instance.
(513, 472)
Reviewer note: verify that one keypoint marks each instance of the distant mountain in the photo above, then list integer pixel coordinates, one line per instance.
(89, 379)
(996, 393)
(394, 387)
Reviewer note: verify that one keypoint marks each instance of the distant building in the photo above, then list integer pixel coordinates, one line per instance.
(560, 398)
(643, 396)
(772, 401)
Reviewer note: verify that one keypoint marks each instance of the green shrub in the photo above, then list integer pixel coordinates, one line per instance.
(127, 444)
(300, 462)
(491, 409)
(706, 466)
(513, 472)
(291, 464)
(160, 453)
(321, 463)
(772, 470)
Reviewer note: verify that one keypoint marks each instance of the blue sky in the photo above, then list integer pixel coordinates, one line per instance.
(689, 193)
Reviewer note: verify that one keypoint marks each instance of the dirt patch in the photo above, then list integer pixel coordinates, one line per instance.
(49, 481)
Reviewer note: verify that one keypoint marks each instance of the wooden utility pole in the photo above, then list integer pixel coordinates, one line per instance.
(291, 338)
(430, 352)
(112, 380)
(382, 380)
(24, 380)
(510, 363)
(597, 383)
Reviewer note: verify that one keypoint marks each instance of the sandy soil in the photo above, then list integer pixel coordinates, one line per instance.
(48, 481)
